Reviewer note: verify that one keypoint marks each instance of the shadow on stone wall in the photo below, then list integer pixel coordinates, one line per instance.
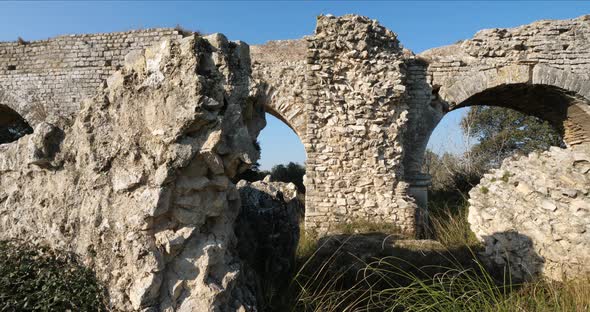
(267, 230)
(513, 252)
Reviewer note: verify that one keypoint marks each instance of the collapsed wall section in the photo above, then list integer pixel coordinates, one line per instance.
(139, 186)
(533, 214)
(356, 114)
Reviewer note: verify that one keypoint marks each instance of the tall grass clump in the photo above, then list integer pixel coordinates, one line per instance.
(320, 284)
(453, 289)
(450, 226)
(385, 285)
(548, 296)
(36, 278)
(307, 245)
(340, 273)
(475, 289)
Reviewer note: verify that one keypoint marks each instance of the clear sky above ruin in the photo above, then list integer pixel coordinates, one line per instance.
(420, 25)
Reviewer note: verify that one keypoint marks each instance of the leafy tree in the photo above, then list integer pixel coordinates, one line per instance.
(448, 171)
(502, 132)
(452, 178)
(292, 172)
(252, 175)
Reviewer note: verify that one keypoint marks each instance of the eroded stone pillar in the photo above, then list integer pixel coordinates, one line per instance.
(356, 116)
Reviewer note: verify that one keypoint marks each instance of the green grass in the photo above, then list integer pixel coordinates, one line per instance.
(339, 273)
(472, 289)
(384, 285)
(546, 296)
(450, 226)
(35, 278)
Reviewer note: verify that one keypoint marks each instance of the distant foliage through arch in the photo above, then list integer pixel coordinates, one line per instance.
(289, 173)
(502, 132)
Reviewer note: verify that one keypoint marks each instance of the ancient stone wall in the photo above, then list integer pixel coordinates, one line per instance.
(561, 44)
(41, 79)
(540, 69)
(363, 106)
(46, 80)
(534, 213)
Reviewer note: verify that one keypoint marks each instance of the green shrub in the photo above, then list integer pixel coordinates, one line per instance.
(35, 278)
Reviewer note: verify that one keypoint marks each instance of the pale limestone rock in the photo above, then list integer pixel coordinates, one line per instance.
(135, 61)
(127, 188)
(43, 144)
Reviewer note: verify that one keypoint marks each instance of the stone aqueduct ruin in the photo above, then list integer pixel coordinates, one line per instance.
(146, 119)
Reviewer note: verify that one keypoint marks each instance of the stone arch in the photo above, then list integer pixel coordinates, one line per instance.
(12, 125)
(279, 69)
(556, 95)
(552, 94)
(288, 110)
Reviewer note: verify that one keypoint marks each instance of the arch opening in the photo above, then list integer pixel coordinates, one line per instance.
(270, 111)
(567, 112)
(525, 117)
(279, 129)
(283, 155)
(12, 125)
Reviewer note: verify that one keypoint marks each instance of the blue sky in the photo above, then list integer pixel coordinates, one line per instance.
(420, 25)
